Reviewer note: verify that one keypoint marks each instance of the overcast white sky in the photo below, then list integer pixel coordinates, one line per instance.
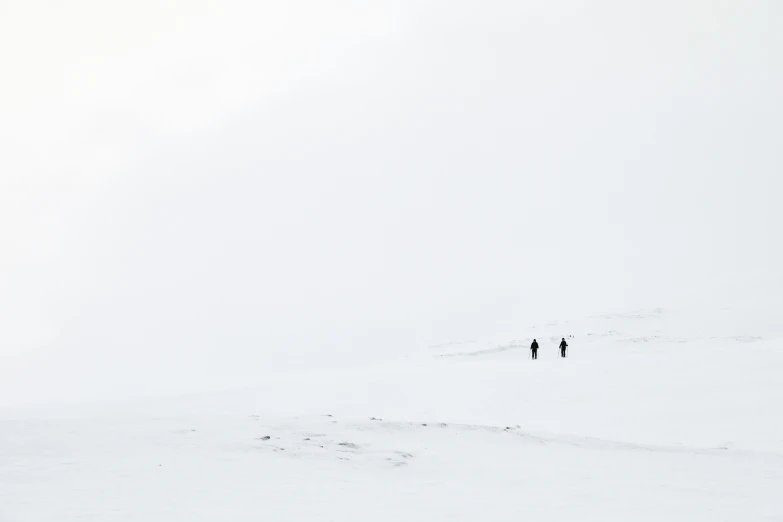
(206, 190)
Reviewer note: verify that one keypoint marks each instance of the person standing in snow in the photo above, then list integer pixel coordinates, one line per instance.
(534, 349)
(563, 346)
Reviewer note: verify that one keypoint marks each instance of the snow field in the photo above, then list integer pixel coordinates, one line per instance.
(643, 421)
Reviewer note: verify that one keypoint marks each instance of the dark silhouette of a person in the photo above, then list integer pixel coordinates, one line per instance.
(563, 346)
(534, 349)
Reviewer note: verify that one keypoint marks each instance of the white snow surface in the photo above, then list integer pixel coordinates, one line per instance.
(655, 415)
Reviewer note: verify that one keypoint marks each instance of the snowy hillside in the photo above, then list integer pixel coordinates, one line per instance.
(655, 415)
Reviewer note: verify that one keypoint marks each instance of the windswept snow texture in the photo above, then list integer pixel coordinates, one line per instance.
(654, 415)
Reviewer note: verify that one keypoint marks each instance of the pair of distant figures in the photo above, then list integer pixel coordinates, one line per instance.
(534, 348)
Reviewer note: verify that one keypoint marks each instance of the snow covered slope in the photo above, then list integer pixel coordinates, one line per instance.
(655, 415)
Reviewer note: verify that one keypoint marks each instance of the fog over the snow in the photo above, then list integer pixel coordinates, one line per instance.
(208, 191)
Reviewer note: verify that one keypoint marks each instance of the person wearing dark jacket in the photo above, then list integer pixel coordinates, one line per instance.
(563, 346)
(534, 349)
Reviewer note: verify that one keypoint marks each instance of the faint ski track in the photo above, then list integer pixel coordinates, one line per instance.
(590, 442)
(487, 351)
(581, 442)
